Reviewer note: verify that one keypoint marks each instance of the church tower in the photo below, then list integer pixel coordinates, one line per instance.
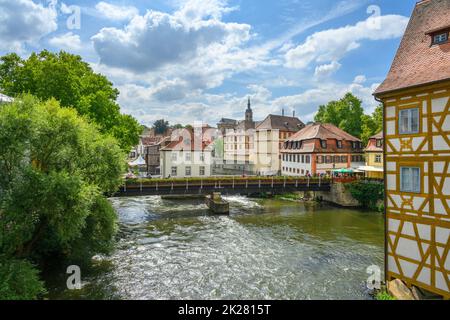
(249, 112)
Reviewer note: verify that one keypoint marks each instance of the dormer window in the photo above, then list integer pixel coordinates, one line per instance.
(323, 143)
(379, 143)
(440, 38)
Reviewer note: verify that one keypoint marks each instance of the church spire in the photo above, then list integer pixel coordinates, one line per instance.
(249, 112)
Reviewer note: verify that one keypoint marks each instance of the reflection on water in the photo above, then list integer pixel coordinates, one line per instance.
(266, 249)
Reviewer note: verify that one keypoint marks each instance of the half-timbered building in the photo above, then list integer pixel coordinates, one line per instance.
(416, 98)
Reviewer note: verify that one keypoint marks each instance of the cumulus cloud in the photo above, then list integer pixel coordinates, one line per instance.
(157, 39)
(360, 79)
(24, 22)
(307, 102)
(333, 44)
(115, 12)
(68, 41)
(326, 70)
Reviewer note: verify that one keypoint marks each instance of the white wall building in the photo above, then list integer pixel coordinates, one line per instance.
(189, 156)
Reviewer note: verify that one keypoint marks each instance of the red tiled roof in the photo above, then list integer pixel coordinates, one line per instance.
(283, 123)
(184, 140)
(372, 144)
(416, 62)
(322, 131)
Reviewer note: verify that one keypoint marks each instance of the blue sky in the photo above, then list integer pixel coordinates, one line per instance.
(199, 60)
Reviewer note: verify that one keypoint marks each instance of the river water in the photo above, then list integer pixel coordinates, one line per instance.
(265, 249)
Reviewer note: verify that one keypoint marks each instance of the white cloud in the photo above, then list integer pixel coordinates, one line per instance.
(68, 42)
(116, 13)
(157, 39)
(333, 44)
(24, 22)
(307, 103)
(327, 70)
(360, 79)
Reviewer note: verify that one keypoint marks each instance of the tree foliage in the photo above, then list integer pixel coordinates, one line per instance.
(348, 114)
(372, 124)
(54, 170)
(160, 126)
(345, 113)
(368, 194)
(19, 280)
(73, 83)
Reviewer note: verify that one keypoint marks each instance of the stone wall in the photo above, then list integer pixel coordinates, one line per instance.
(338, 195)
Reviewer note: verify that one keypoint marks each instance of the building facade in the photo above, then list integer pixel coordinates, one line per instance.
(416, 98)
(152, 155)
(270, 135)
(188, 155)
(319, 149)
(239, 143)
(374, 167)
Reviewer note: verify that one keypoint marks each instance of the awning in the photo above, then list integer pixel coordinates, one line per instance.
(371, 169)
(343, 170)
(138, 162)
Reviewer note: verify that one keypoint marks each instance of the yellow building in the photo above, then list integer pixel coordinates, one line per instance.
(270, 135)
(374, 157)
(416, 98)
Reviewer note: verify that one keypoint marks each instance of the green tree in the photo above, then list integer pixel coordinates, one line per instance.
(346, 114)
(177, 126)
(372, 124)
(19, 280)
(73, 83)
(55, 168)
(160, 126)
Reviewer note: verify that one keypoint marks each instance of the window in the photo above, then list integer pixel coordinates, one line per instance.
(188, 156)
(174, 171)
(440, 38)
(339, 144)
(174, 156)
(323, 143)
(379, 143)
(409, 121)
(202, 171)
(378, 158)
(410, 179)
(188, 171)
(202, 157)
(308, 159)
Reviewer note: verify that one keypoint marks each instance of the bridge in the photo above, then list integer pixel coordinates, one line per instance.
(223, 185)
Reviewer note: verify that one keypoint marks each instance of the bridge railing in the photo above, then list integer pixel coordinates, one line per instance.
(219, 182)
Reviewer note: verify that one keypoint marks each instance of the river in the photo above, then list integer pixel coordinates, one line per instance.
(265, 249)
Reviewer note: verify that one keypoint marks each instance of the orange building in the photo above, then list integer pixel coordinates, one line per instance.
(319, 149)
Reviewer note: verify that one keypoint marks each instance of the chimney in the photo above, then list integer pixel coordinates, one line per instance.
(282, 112)
(293, 114)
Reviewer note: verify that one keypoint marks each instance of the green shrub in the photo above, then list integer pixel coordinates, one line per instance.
(383, 295)
(367, 193)
(19, 280)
